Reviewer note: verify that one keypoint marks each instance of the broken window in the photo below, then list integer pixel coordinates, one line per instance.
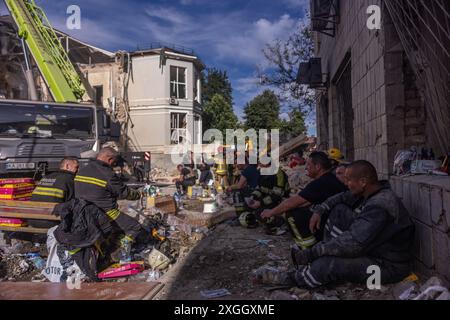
(177, 82)
(178, 128)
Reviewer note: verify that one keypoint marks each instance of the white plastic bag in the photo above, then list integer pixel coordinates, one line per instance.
(54, 270)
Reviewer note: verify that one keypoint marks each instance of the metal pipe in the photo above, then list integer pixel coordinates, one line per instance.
(32, 92)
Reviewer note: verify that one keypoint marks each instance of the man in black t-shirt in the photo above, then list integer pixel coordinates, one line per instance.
(324, 186)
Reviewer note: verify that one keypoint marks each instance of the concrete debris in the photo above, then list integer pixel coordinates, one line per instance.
(301, 294)
(405, 290)
(318, 296)
(282, 295)
(160, 175)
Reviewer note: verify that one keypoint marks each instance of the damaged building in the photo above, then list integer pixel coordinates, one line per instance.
(383, 90)
(154, 93)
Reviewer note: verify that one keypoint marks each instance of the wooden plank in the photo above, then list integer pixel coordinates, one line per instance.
(24, 229)
(32, 216)
(26, 210)
(154, 292)
(27, 204)
(87, 291)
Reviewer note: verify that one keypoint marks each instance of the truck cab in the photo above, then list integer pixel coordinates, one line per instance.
(36, 136)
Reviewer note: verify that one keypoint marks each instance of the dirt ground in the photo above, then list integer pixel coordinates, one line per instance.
(226, 259)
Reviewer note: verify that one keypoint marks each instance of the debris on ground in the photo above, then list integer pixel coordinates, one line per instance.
(213, 294)
(195, 250)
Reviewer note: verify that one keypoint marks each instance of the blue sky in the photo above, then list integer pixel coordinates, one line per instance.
(228, 35)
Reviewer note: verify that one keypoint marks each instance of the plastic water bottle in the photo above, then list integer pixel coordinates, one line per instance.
(125, 251)
(153, 275)
(37, 261)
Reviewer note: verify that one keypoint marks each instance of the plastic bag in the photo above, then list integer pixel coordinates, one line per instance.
(60, 266)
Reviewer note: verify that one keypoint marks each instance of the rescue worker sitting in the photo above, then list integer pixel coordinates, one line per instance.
(268, 194)
(186, 179)
(324, 185)
(340, 172)
(97, 183)
(248, 182)
(368, 226)
(57, 187)
(205, 175)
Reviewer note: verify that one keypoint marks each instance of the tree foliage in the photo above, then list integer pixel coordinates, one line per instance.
(218, 113)
(284, 57)
(263, 112)
(216, 81)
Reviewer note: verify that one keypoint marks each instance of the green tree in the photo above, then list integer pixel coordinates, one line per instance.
(218, 113)
(263, 112)
(293, 127)
(216, 81)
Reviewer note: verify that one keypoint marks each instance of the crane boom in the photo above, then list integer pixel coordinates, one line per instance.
(53, 62)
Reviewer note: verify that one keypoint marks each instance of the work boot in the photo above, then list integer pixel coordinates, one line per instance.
(272, 276)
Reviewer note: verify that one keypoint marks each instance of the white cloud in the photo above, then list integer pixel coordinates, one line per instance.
(228, 36)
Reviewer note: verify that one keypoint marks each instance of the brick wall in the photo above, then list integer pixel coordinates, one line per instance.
(427, 198)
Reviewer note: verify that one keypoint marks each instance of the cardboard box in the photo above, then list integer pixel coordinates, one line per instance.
(164, 203)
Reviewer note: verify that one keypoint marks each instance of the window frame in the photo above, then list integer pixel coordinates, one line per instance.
(177, 82)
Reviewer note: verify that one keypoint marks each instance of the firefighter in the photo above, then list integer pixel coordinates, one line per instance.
(98, 184)
(368, 226)
(247, 183)
(221, 170)
(336, 157)
(186, 179)
(297, 207)
(57, 187)
(271, 191)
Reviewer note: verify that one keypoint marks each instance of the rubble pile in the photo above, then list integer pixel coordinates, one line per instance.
(160, 175)
(297, 177)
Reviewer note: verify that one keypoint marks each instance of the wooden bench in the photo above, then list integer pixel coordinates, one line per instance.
(27, 210)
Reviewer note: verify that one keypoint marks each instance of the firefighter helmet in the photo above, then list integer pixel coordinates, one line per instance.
(335, 154)
(248, 220)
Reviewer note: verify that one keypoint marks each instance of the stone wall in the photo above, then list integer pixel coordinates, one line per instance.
(427, 198)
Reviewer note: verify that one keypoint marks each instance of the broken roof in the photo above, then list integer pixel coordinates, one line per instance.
(172, 51)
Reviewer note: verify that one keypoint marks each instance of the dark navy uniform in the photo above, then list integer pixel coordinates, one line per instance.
(360, 233)
(97, 183)
(56, 187)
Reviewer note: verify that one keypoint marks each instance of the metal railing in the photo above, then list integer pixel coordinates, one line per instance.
(161, 45)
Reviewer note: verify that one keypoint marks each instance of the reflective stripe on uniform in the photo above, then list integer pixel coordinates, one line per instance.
(72, 252)
(113, 214)
(91, 180)
(50, 192)
(303, 243)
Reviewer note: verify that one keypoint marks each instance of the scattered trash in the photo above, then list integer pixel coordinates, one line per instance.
(37, 260)
(282, 295)
(157, 260)
(154, 275)
(122, 270)
(263, 242)
(318, 296)
(213, 294)
(269, 275)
